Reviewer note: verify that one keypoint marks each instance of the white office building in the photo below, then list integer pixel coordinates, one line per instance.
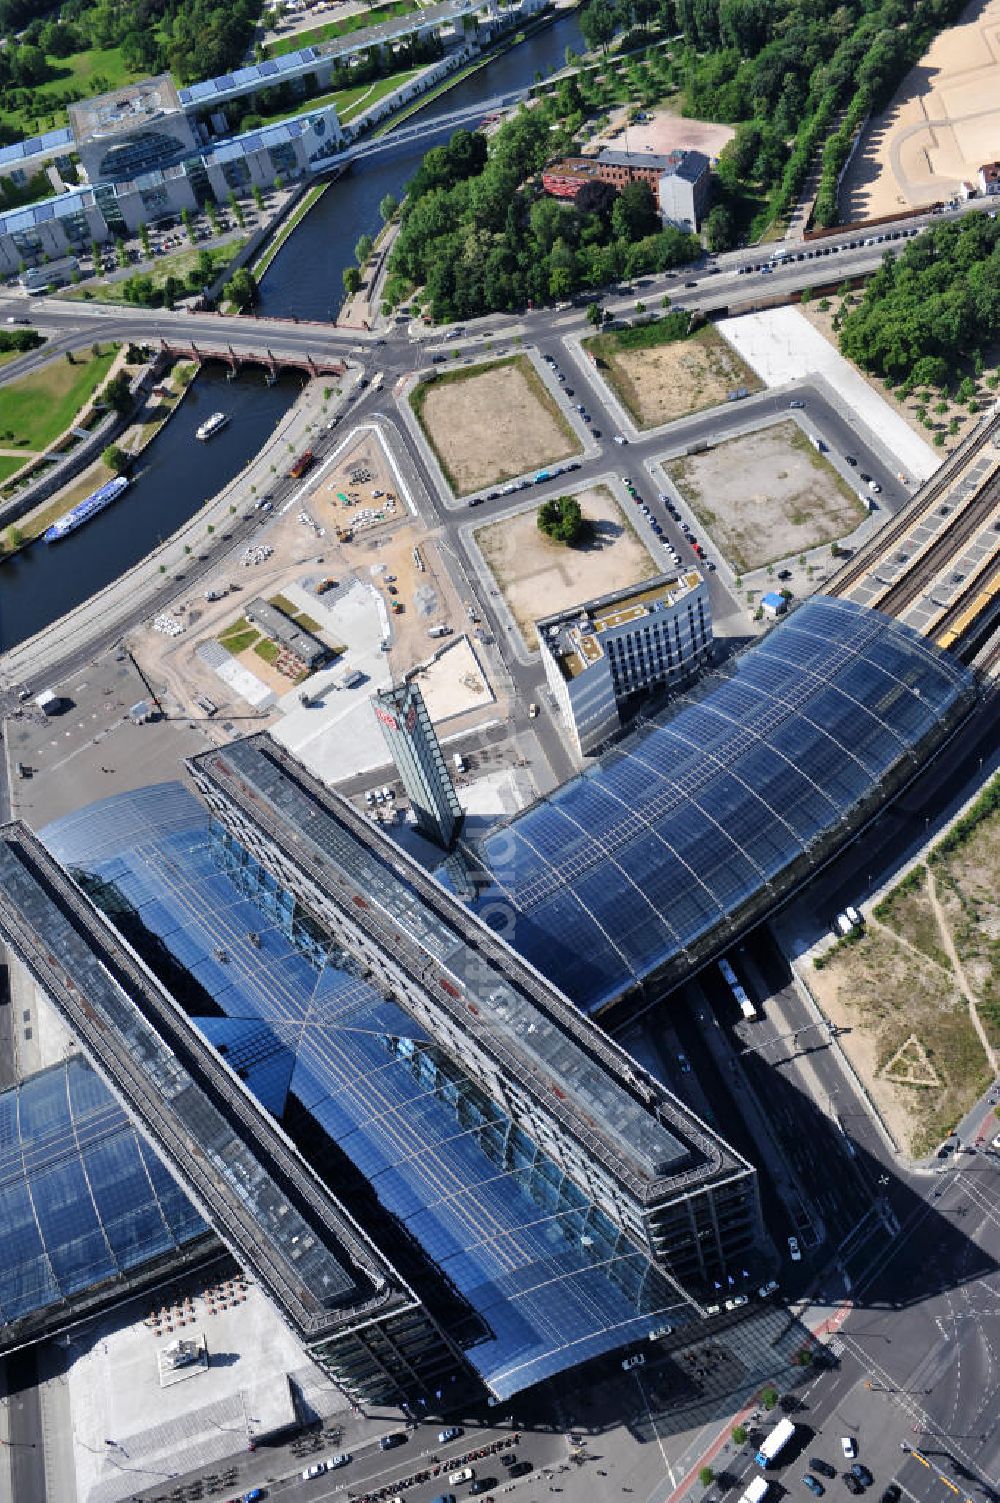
(604, 651)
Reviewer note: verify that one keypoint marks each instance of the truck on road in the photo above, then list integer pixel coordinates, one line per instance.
(773, 1445)
(757, 1491)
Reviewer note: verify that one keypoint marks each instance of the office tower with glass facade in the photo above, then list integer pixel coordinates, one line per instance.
(416, 751)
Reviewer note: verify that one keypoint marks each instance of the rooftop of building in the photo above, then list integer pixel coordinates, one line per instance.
(350, 1073)
(236, 1168)
(89, 1209)
(574, 637)
(656, 857)
(284, 630)
(660, 161)
(124, 109)
(625, 1118)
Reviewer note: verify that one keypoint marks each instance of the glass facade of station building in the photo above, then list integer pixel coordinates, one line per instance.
(524, 1271)
(622, 880)
(530, 1252)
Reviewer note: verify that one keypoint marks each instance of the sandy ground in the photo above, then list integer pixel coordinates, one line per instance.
(669, 381)
(940, 127)
(494, 424)
(766, 496)
(663, 132)
(781, 345)
(537, 576)
(303, 560)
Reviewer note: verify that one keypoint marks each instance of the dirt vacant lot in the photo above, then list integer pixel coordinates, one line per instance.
(766, 496)
(491, 422)
(537, 576)
(920, 993)
(668, 381)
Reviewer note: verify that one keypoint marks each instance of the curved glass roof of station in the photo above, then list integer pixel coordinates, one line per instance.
(547, 1281)
(83, 1198)
(710, 804)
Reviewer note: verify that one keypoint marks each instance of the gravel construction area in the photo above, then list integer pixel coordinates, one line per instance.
(939, 128)
(668, 381)
(537, 576)
(491, 423)
(766, 496)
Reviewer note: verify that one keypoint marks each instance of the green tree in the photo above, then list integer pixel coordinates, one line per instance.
(241, 289)
(144, 240)
(363, 249)
(352, 280)
(720, 228)
(595, 314)
(634, 213)
(769, 1397)
(388, 208)
(116, 459)
(118, 393)
(562, 520)
(739, 1435)
(258, 199)
(706, 1476)
(598, 22)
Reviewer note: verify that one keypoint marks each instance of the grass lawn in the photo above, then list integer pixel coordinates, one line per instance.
(93, 72)
(176, 265)
(334, 29)
(37, 408)
(238, 637)
(267, 650)
(8, 465)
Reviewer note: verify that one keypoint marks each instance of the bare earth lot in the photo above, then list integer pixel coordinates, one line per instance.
(537, 576)
(665, 131)
(941, 125)
(668, 381)
(920, 993)
(490, 423)
(766, 496)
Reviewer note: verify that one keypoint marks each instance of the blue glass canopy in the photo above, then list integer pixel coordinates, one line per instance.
(547, 1280)
(83, 1198)
(711, 806)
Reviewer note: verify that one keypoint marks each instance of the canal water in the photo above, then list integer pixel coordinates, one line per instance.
(175, 477)
(178, 474)
(305, 280)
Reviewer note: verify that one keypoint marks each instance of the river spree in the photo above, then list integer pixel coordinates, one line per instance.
(305, 279)
(178, 474)
(175, 477)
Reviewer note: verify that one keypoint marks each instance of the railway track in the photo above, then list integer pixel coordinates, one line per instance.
(974, 613)
(866, 560)
(942, 551)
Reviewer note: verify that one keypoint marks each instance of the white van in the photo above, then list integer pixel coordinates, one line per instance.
(465, 1475)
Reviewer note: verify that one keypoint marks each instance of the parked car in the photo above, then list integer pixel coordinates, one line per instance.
(849, 1446)
(852, 1484)
(817, 1464)
(392, 1440)
(637, 1361)
(316, 1470)
(737, 1302)
(891, 1493)
(794, 1251)
(862, 1473)
(451, 1432)
(334, 1463)
(814, 1485)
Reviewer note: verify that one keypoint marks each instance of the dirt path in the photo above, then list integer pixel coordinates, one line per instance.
(956, 964)
(907, 944)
